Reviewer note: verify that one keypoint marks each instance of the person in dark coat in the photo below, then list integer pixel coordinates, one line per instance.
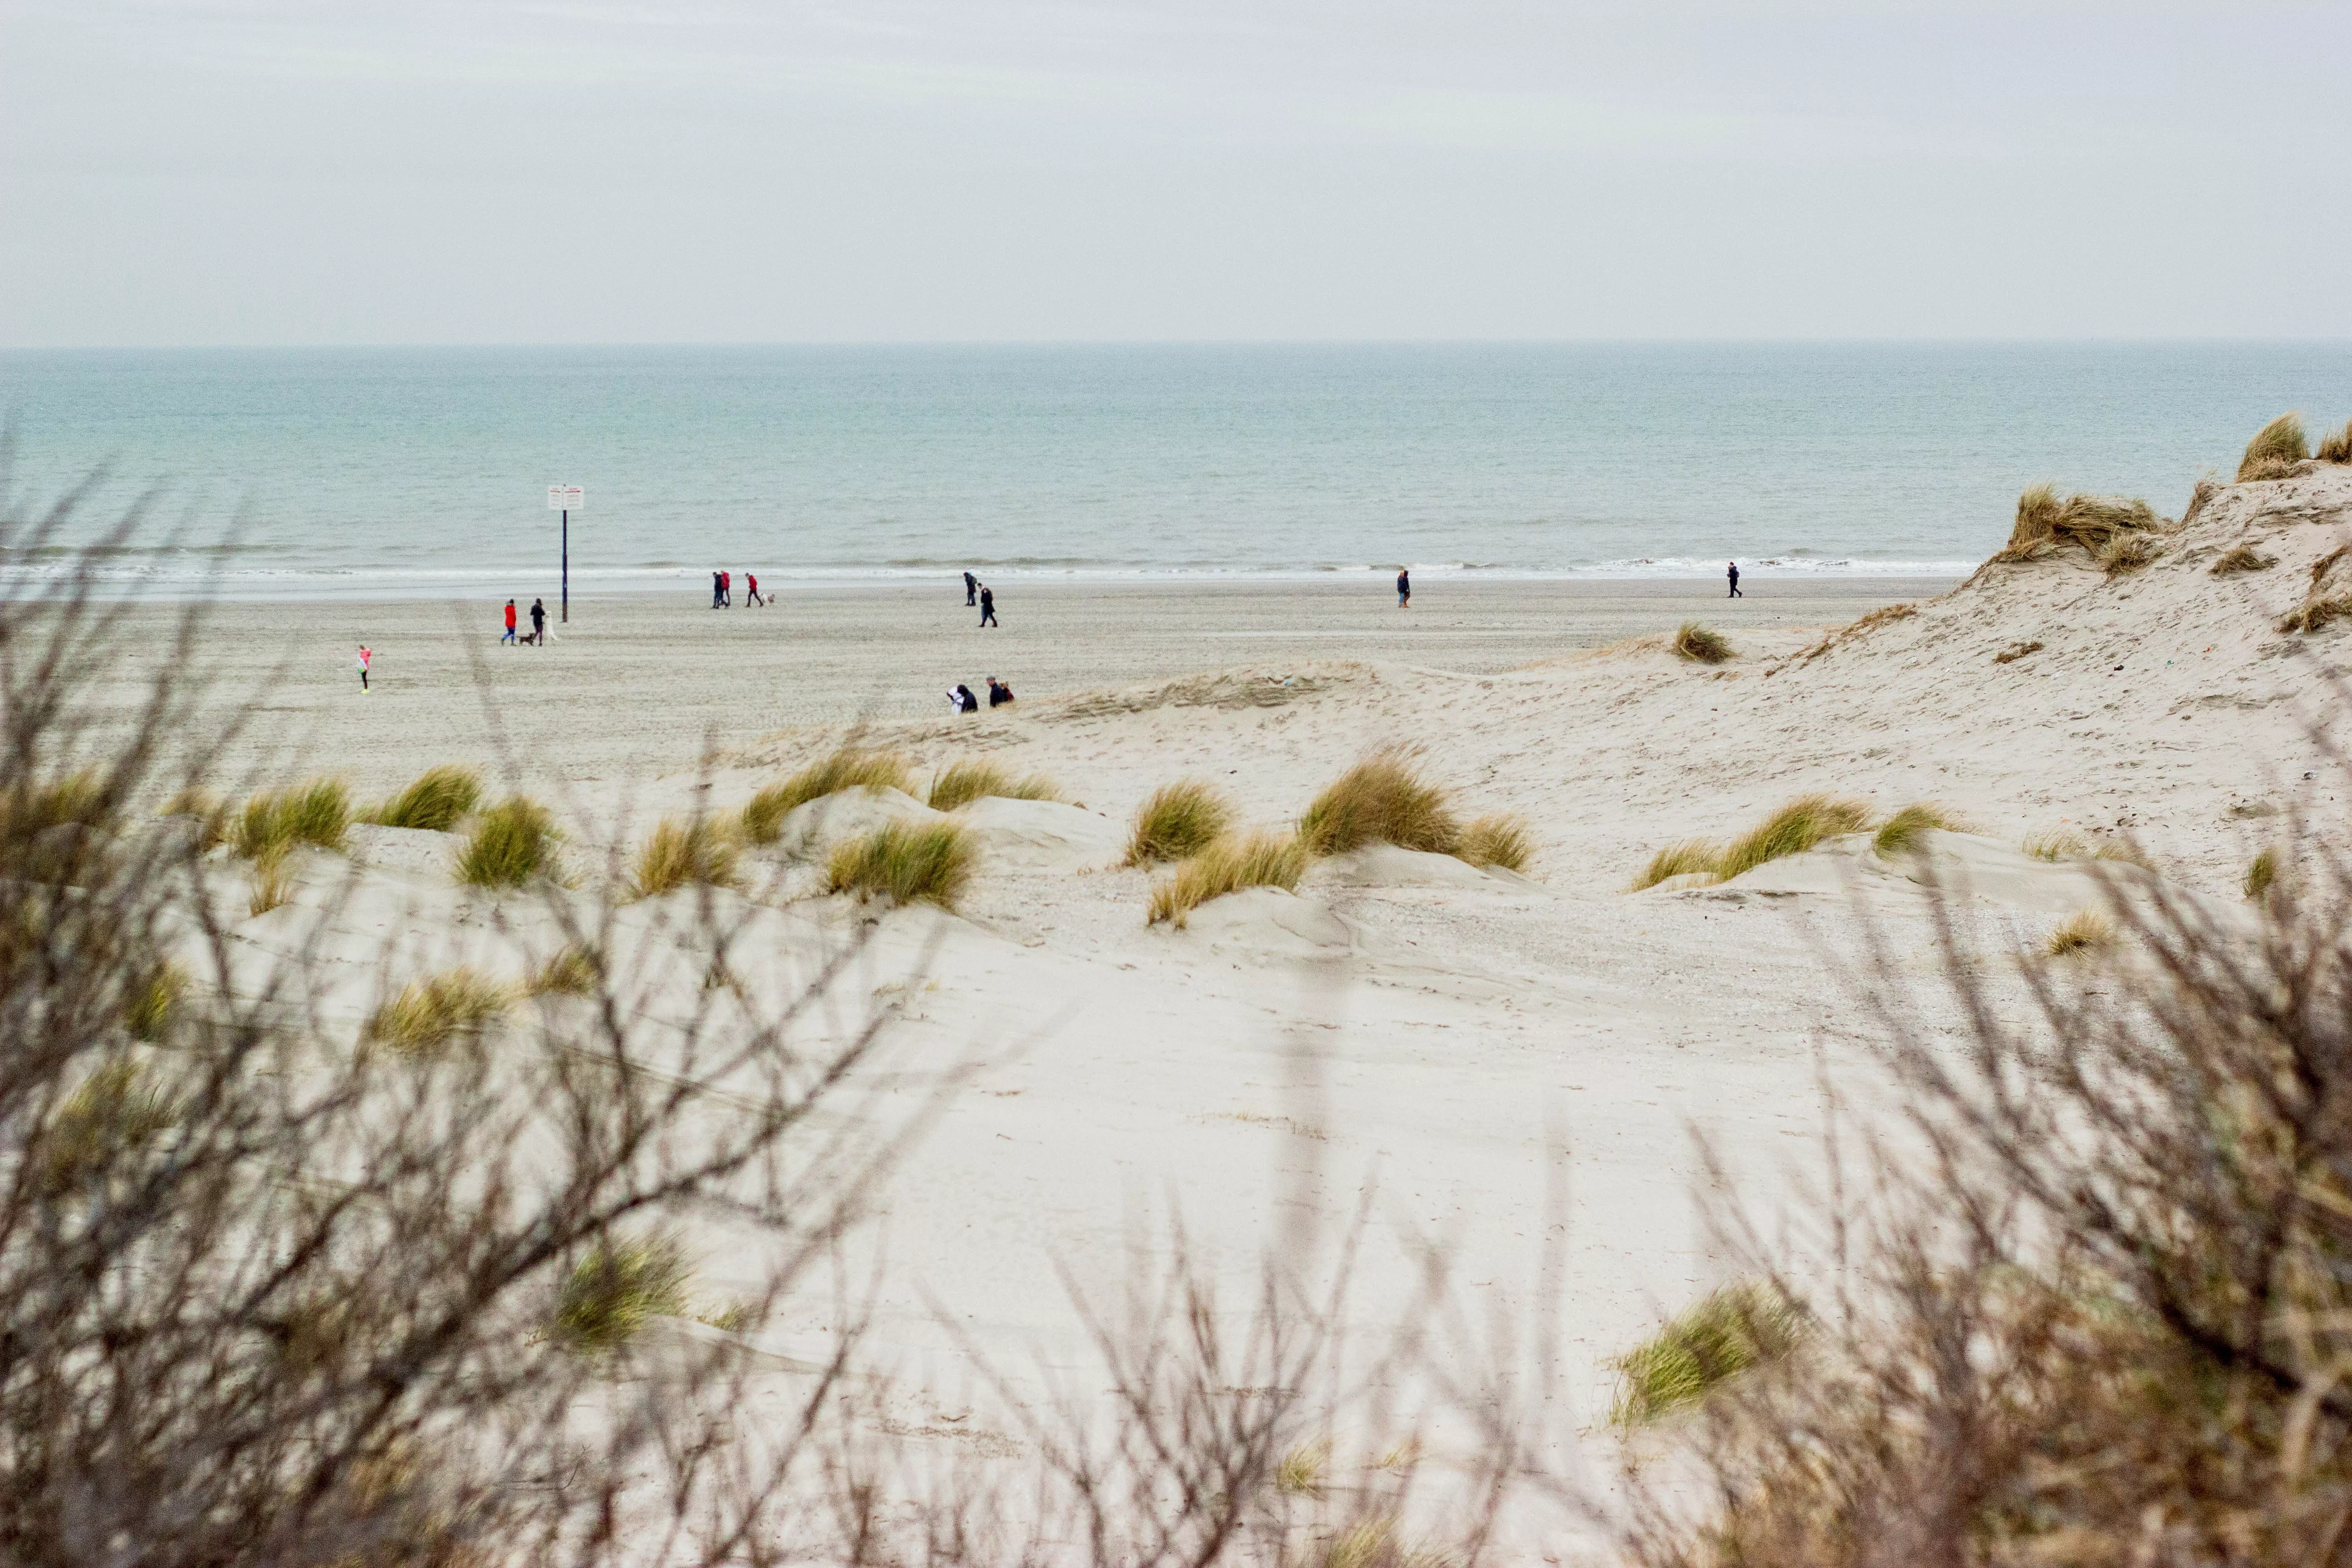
(971, 589)
(1732, 571)
(987, 607)
(999, 694)
(1404, 589)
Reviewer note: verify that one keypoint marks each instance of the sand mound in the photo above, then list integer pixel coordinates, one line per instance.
(809, 831)
(1041, 835)
(1386, 866)
(1266, 923)
(404, 848)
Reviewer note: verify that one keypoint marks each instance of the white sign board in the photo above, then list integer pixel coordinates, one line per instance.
(565, 497)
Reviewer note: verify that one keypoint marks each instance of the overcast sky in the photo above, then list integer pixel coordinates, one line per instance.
(488, 171)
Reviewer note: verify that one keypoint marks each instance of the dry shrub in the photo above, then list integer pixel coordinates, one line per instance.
(2086, 930)
(1381, 800)
(1904, 832)
(434, 1014)
(2241, 558)
(1791, 830)
(1731, 1331)
(962, 783)
(2045, 523)
(686, 854)
(511, 843)
(611, 1294)
(1227, 866)
(2261, 875)
(849, 767)
(2057, 845)
(2275, 450)
(2127, 552)
(1701, 645)
(2016, 651)
(927, 863)
(1680, 860)
(2337, 447)
(317, 813)
(435, 803)
(1498, 838)
(1180, 819)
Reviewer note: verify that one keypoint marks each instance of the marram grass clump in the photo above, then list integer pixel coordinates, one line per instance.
(2127, 552)
(511, 843)
(2262, 876)
(1701, 645)
(2337, 447)
(1684, 859)
(317, 813)
(960, 783)
(2057, 845)
(2275, 450)
(435, 803)
(574, 971)
(2045, 523)
(611, 1294)
(115, 1113)
(927, 863)
(1381, 800)
(434, 1014)
(148, 1010)
(681, 854)
(2241, 558)
(32, 809)
(1729, 1331)
(1791, 830)
(1227, 866)
(1180, 819)
(1906, 832)
(2082, 932)
(1498, 838)
(847, 768)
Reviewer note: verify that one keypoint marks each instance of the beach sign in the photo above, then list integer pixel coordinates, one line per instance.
(565, 497)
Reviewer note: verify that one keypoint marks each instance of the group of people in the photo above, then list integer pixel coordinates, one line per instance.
(537, 629)
(976, 592)
(722, 590)
(961, 700)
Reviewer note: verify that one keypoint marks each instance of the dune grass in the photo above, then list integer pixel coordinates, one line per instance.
(2336, 447)
(2123, 852)
(1498, 838)
(1678, 859)
(1303, 1472)
(927, 863)
(273, 885)
(2241, 558)
(435, 803)
(2083, 932)
(147, 1013)
(2045, 523)
(428, 1016)
(1180, 819)
(1906, 832)
(2317, 611)
(681, 853)
(2275, 450)
(1227, 866)
(2016, 651)
(1729, 1332)
(573, 972)
(1886, 615)
(2261, 875)
(115, 1110)
(2057, 845)
(1791, 830)
(847, 768)
(1383, 799)
(1701, 645)
(511, 843)
(317, 813)
(960, 783)
(77, 799)
(2127, 552)
(611, 1294)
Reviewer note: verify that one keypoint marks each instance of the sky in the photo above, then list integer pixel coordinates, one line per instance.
(343, 171)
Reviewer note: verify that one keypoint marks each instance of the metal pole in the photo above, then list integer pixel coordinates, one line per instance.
(567, 566)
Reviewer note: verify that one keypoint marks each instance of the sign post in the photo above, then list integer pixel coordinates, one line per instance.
(567, 499)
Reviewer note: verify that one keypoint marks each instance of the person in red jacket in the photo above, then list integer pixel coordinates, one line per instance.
(510, 620)
(752, 589)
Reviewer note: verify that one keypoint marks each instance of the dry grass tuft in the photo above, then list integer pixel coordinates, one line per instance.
(1383, 799)
(2317, 611)
(273, 885)
(2337, 447)
(1227, 866)
(77, 799)
(929, 864)
(2201, 497)
(116, 1109)
(1678, 860)
(2262, 876)
(1791, 830)
(1498, 838)
(2123, 852)
(1886, 615)
(1701, 645)
(435, 803)
(1733, 1330)
(2057, 845)
(2275, 450)
(432, 1014)
(1904, 833)
(2045, 523)
(2085, 931)
(848, 768)
(612, 1293)
(1303, 1472)
(963, 783)
(317, 813)
(2127, 552)
(574, 972)
(512, 842)
(2241, 558)
(1179, 820)
(2016, 651)
(149, 1011)
(682, 853)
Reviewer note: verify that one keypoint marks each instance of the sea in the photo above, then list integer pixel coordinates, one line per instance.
(302, 473)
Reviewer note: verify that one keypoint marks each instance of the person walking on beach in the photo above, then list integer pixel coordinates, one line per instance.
(714, 590)
(365, 656)
(510, 625)
(727, 590)
(987, 607)
(971, 590)
(1732, 571)
(539, 623)
(999, 694)
(1404, 589)
(751, 589)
